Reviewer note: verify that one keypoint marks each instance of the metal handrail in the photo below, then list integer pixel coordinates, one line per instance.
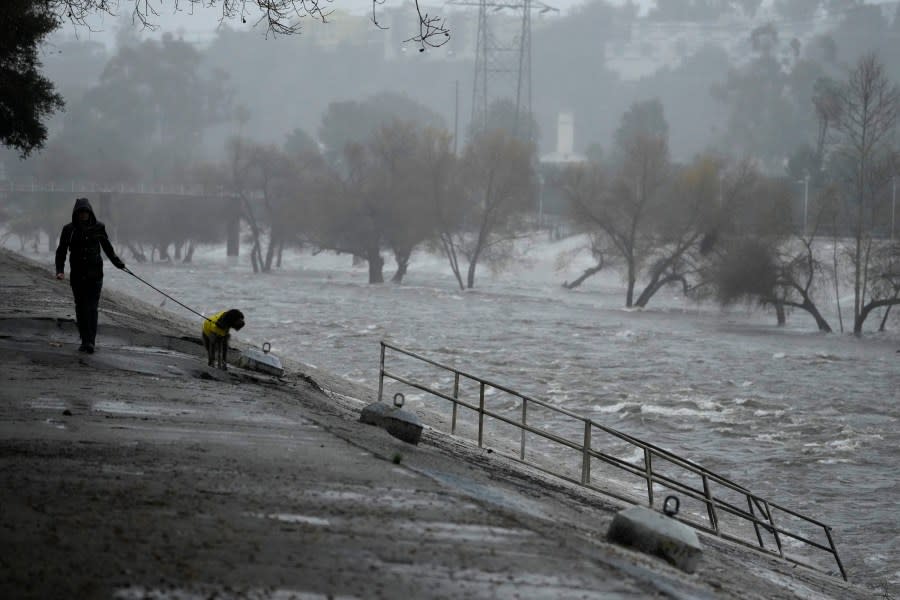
(755, 504)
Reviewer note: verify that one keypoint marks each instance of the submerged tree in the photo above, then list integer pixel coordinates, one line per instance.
(624, 209)
(863, 157)
(376, 200)
(497, 182)
(767, 261)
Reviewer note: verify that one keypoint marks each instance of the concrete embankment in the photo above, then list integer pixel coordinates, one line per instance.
(139, 472)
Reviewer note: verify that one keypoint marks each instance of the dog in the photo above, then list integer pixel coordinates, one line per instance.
(216, 331)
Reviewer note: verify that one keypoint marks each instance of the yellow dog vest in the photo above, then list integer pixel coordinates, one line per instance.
(211, 325)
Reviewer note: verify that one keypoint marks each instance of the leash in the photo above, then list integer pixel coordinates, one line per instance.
(147, 283)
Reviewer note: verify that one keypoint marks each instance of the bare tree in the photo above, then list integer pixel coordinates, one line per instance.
(347, 218)
(584, 185)
(280, 17)
(264, 176)
(867, 119)
(498, 180)
(440, 168)
(622, 209)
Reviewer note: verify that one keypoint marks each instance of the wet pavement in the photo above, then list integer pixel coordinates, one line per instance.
(139, 472)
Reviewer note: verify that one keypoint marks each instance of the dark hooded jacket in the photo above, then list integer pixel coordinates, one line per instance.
(83, 240)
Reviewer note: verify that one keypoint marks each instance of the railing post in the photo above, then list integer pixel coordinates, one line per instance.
(774, 528)
(455, 398)
(755, 524)
(481, 415)
(835, 552)
(524, 423)
(381, 374)
(648, 474)
(710, 507)
(586, 457)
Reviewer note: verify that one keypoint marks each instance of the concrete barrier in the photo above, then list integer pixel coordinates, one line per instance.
(653, 533)
(400, 423)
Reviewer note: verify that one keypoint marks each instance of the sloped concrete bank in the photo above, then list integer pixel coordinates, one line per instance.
(139, 472)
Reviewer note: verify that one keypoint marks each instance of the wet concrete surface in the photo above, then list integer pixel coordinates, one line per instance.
(139, 472)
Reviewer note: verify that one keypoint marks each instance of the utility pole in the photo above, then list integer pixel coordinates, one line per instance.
(805, 200)
(456, 119)
(893, 205)
(503, 60)
(805, 182)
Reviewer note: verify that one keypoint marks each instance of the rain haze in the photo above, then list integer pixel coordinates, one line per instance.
(657, 215)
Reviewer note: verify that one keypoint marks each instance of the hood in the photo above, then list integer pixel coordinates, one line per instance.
(83, 203)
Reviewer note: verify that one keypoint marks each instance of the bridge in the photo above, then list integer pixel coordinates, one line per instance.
(106, 194)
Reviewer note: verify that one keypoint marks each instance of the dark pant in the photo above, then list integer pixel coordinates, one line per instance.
(87, 297)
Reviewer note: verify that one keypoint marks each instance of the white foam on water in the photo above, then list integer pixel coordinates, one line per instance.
(613, 408)
(47, 403)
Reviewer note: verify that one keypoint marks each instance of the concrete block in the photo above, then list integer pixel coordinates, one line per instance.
(261, 361)
(654, 533)
(400, 423)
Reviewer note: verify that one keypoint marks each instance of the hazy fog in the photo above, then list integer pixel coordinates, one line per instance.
(592, 59)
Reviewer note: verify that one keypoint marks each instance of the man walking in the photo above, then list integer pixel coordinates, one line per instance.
(82, 239)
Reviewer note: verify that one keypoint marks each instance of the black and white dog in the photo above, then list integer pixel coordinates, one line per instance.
(216, 335)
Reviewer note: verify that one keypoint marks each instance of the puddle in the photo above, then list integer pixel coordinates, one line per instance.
(462, 532)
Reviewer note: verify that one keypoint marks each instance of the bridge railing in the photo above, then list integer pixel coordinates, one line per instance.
(86, 187)
(715, 504)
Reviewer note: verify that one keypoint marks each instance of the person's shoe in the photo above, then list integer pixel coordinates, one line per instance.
(83, 348)
(89, 348)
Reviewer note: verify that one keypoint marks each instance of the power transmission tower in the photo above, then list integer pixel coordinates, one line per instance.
(503, 60)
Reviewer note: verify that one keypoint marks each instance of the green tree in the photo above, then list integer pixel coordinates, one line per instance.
(150, 109)
(27, 98)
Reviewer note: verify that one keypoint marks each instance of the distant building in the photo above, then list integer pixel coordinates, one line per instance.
(565, 142)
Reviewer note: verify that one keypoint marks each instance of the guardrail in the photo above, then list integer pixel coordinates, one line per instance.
(717, 504)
